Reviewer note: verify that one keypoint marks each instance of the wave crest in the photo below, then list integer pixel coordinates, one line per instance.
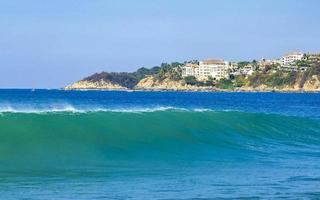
(107, 136)
(73, 109)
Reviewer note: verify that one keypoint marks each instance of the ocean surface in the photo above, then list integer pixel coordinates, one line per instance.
(84, 145)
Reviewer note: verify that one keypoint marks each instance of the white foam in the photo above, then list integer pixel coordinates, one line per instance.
(66, 108)
(31, 109)
(202, 110)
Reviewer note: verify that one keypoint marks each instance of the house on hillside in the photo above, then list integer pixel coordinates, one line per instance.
(291, 58)
(215, 68)
(190, 69)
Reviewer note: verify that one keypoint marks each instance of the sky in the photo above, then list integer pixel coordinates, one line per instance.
(49, 44)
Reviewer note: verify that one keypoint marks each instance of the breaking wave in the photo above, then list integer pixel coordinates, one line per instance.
(56, 139)
(72, 109)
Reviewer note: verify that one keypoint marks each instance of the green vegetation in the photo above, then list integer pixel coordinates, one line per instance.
(240, 81)
(313, 70)
(143, 72)
(243, 63)
(130, 80)
(170, 71)
(191, 80)
(210, 81)
(225, 84)
(123, 78)
(271, 79)
(303, 63)
(270, 76)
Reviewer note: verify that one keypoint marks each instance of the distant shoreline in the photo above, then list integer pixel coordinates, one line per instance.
(295, 72)
(200, 90)
(166, 90)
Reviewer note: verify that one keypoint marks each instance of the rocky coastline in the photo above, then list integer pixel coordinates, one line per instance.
(265, 76)
(151, 84)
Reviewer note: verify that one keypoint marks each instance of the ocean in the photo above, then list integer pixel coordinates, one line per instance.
(82, 145)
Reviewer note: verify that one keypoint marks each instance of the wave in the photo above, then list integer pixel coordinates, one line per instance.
(86, 109)
(26, 109)
(54, 139)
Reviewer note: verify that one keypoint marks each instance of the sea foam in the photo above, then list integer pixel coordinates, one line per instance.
(67, 108)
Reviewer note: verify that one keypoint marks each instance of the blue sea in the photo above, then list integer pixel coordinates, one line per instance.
(82, 145)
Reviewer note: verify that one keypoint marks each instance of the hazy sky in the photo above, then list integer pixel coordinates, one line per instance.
(51, 43)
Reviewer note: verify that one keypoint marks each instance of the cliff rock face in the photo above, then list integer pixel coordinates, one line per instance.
(312, 84)
(125, 81)
(102, 85)
(151, 83)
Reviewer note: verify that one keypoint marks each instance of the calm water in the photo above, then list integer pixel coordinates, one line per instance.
(158, 145)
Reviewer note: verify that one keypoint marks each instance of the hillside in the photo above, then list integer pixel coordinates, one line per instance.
(122, 80)
(273, 80)
(168, 77)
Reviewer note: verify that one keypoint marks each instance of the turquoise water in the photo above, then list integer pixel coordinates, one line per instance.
(158, 145)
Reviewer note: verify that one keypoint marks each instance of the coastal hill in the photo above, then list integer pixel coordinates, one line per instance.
(300, 75)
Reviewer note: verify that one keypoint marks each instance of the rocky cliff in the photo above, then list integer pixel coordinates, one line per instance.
(168, 77)
(98, 85)
(312, 84)
(152, 83)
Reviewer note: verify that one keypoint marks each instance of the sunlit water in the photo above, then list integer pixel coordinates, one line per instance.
(158, 145)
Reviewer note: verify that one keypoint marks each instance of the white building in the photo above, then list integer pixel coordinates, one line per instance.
(314, 57)
(263, 62)
(190, 69)
(290, 58)
(247, 70)
(217, 69)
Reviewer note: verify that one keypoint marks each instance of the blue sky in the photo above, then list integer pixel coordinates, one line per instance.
(48, 44)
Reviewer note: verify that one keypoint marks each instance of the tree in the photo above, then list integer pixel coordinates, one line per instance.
(225, 84)
(190, 80)
(239, 81)
(242, 64)
(210, 81)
